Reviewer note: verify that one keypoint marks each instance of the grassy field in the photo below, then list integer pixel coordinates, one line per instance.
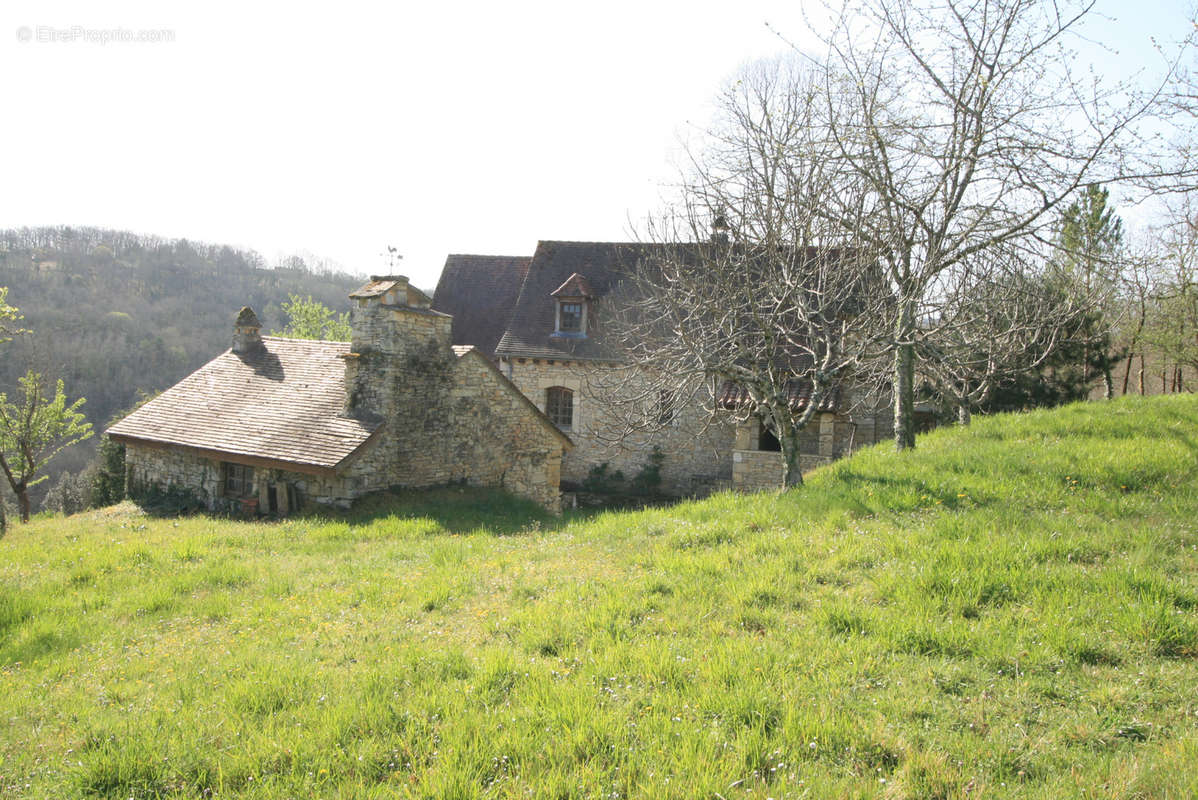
(1010, 611)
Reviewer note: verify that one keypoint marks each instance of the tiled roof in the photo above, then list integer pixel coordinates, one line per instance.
(281, 402)
(576, 269)
(530, 332)
(480, 292)
(732, 396)
(378, 284)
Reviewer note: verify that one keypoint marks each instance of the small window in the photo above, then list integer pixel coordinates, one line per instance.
(239, 480)
(665, 407)
(559, 406)
(570, 318)
(767, 441)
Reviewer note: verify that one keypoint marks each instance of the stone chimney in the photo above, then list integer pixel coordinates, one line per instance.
(719, 228)
(398, 343)
(246, 329)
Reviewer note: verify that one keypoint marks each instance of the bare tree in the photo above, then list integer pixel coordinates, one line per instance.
(1171, 328)
(744, 298)
(880, 205)
(1002, 315)
(970, 130)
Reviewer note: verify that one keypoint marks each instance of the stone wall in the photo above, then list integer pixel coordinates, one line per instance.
(172, 468)
(754, 470)
(447, 419)
(697, 447)
(204, 478)
(497, 439)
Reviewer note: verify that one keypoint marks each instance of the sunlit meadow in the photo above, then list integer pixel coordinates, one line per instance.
(1009, 611)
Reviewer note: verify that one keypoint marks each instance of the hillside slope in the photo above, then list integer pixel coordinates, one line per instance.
(1010, 611)
(115, 314)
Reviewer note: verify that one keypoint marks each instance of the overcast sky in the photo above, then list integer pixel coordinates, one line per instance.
(339, 129)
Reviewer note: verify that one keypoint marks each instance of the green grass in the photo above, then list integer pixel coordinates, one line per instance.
(1009, 611)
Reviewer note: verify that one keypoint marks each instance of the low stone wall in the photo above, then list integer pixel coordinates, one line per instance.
(177, 468)
(757, 470)
(754, 470)
(163, 468)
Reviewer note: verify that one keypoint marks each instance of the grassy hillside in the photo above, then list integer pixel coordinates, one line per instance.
(1011, 611)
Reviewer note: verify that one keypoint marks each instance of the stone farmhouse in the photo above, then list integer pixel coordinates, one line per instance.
(537, 318)
(274, 423)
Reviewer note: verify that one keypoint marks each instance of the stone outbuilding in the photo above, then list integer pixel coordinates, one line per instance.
(274, 423)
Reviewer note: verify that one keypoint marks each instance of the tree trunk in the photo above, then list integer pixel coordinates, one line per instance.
(23, 499)
(3, 518)
(1140, 374)
(1127, 373)
(792, 474)
(1108, 385)
(904, 384)
(964, 415)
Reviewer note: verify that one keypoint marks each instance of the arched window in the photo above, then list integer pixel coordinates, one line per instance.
(559, 406)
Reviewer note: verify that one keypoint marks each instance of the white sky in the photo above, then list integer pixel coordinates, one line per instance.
(341, 128)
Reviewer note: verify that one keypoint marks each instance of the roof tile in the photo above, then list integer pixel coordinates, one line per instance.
(283, 401)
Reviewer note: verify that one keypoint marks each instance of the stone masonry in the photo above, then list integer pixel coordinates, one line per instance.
(429, 414)
(695, 444)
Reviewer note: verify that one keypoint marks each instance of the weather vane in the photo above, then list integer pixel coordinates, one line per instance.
(392, 255)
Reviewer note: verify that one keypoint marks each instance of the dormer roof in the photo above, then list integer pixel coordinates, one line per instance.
(575, 286)
(558, 268)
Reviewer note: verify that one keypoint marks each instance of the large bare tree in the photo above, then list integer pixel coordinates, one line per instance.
(881, 207)
(746, 298)
(971, 130)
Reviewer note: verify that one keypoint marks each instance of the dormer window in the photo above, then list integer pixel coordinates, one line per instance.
(570, 317)
(573, 300)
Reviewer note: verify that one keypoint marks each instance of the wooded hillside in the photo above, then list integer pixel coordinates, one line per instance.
(117, 314)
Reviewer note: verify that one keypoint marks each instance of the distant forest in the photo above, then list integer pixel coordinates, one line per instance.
(117, 315)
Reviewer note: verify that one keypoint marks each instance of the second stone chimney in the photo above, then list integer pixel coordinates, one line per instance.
(397, 344)
(246, 331)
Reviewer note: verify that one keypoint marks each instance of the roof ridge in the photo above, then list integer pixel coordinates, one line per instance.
(482, 255)
(302, 339)
(589, 241)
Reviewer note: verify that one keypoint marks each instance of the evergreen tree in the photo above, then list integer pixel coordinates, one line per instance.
(1089, 247)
